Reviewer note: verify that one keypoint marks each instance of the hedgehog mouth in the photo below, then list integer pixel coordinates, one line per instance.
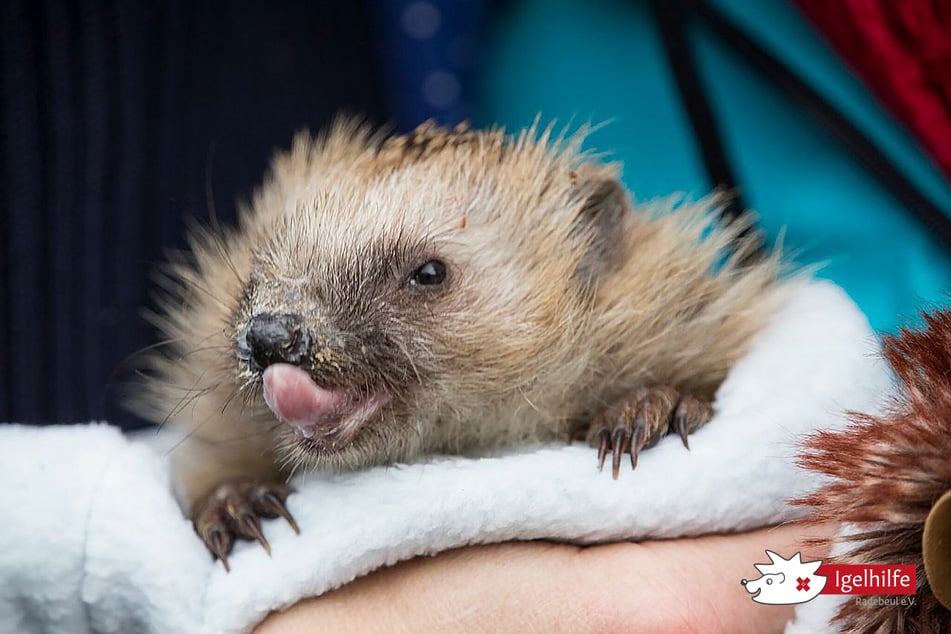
(323, 419)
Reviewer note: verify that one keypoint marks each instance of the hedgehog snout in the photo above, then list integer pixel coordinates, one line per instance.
(271, 338)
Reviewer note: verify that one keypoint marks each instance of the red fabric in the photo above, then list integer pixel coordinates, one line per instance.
(902, 50)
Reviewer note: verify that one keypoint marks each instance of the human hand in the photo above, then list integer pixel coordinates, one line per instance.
(683, 585)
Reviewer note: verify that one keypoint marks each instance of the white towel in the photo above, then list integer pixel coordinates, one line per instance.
(93, 540)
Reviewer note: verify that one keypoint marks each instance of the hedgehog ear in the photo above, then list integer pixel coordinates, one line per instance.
(600, 222)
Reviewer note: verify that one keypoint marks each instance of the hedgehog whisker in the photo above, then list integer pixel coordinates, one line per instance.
(178, 408)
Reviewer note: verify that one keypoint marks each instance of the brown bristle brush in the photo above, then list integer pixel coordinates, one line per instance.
(888, 474)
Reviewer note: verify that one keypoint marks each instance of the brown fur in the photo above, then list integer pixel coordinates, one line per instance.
(887, 471)
(562, 297)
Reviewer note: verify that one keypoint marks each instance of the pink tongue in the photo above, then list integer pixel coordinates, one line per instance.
(294, 397)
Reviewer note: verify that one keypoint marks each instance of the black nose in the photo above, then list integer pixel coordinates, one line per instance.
(273, 338)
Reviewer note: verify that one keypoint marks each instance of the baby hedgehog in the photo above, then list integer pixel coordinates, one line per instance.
(445, 291)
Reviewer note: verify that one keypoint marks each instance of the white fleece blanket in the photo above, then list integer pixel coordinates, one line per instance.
(93, 540)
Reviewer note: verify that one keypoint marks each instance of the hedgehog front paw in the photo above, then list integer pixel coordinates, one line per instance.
(234, 509)
(641, 419)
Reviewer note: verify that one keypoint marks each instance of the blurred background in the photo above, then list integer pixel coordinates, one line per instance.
(120, 120)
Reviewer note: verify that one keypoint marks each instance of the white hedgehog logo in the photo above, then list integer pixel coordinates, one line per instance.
(785, 581)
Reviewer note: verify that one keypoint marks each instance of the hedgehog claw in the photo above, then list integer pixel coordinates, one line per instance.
(680, 426)
(690, 415)
(604, 441)
(233, 510)
(638, 440)
(619, 441)
(641, 419)
(250, 526)
(275, 505)
(219, 542)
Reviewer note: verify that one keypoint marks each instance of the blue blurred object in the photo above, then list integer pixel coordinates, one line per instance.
(429, 50)
(604, 61)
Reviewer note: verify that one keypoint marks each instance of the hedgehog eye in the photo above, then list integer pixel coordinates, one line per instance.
(433, 273)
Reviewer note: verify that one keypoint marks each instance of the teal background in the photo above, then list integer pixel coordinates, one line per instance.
(602, 61)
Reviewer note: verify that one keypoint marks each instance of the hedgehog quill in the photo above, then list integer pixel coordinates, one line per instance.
(384, 299)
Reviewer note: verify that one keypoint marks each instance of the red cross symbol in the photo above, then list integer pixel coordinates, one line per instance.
(803, 584)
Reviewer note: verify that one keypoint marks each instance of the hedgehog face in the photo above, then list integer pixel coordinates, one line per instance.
(378, 308)
(360, 335)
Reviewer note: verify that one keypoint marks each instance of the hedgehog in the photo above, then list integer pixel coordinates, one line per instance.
(387, 298)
